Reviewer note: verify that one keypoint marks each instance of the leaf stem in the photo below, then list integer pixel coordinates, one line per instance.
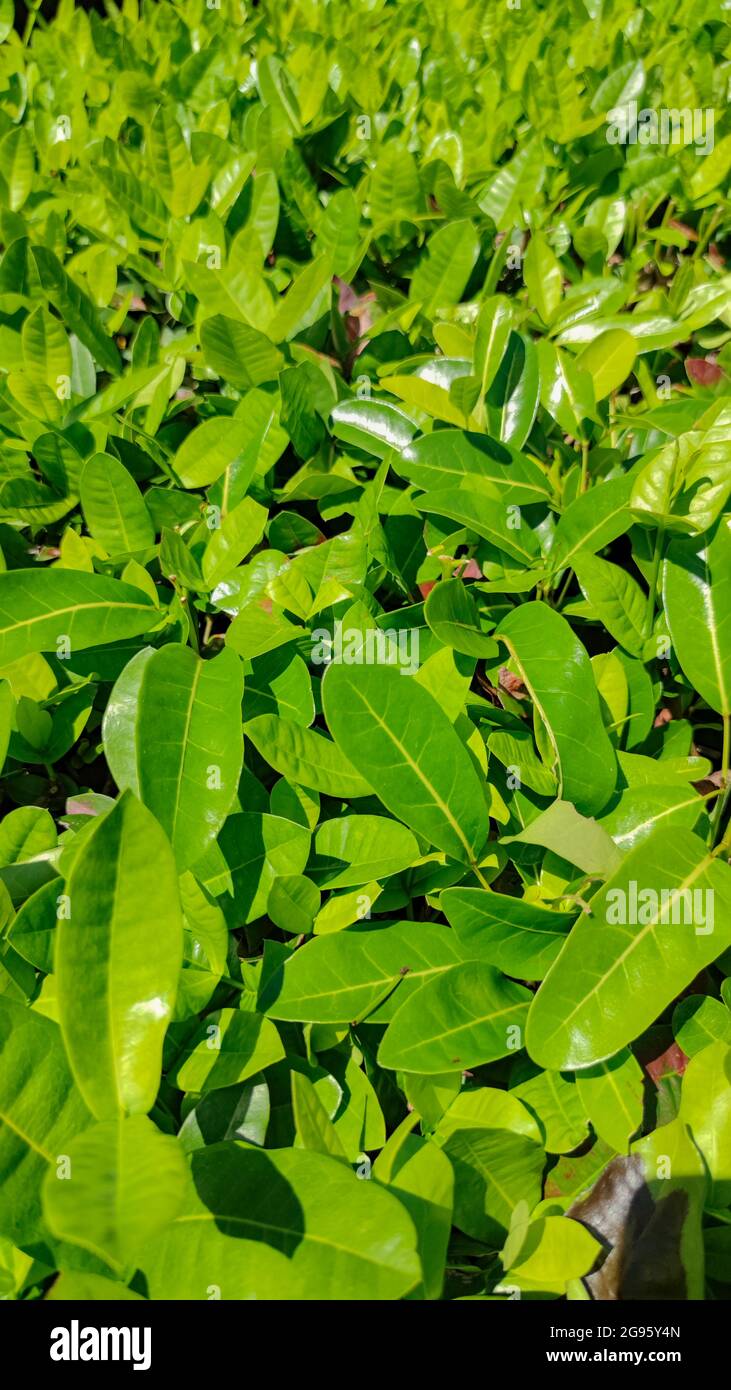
(480, 876)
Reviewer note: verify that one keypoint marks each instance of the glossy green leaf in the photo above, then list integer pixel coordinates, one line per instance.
(229, 1047)
(612, 1096)
(366, 971)
(623, 964)
(518, 937)
(465, 1016)
(590, 522)
(697, 596)
(173, 734)
(458, 458)
(305, 756)
(608, 359)
(453, 617)
(279, 1224)
(115, 995)
(125, 1181)
(494, 1170)
(392, 730)
(706, 1108)
(557, 673)
(113, 506)
(42, 1111)
(67, 611)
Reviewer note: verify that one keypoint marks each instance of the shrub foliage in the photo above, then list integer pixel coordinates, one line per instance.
(365, 661)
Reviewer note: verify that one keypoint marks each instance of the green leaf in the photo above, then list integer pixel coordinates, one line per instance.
(305, 757)
(42, 1111)
(280, 1224)
(557, 673)
(377, 427)
(623, 963)
(125, 1182)
(66, 611)
(494, 323)
(450, 458)
(641, 809)
(210, 449)
(699, 1020)
(466, 1016)
(115, 995)
(616, 599)
(17, 165)
(114, 509)
(543, 277)
(609, 359)
(556, 1102)
(393, 731)
(366, 971)
(567, 392)
(518, 937)
(578, 839)
(239, 353)
(550, 1253)
(452, 615)
(494, 1170)
(225, 1050)
(351, 850)
(445, 267)
(612, 1096)
(314, 1128)
(75, 308)
(239, 532)
(255, 850)
(421, 1176)
(172, 733)
(591, 521)
(706, 1107)
(697, 597)
(33, 931)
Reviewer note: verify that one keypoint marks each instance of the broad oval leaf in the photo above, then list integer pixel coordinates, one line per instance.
(467, 1015)
(280, 1224)
(56, 610)
(127, 1180)
(557, 673)
(113, 506)
(657, 922)
(173, 733)
(346, 976)
(394, 733)
(118, 956)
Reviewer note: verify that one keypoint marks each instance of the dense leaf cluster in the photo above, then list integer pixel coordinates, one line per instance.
(365, 660)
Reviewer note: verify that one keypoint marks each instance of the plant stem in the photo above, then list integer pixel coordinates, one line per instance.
(720, 806)
(584, 465)
(29, 26)
(654, 576)
(565, 582)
